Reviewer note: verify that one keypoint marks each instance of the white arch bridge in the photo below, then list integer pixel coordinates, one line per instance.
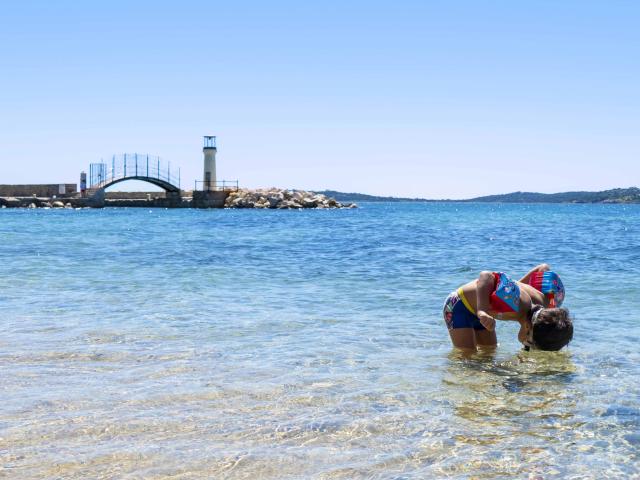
(134, 166)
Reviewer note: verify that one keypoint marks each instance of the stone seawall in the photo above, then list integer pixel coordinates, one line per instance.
(39, 190)
(152, 203)
(133, 195)
(77, 202)
(48, 202)
(213, 199)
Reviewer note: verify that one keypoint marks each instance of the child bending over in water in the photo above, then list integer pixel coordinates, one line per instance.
(471, 311)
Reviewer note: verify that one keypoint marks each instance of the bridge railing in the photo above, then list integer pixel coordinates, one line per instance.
(220, 185)
(132, 165)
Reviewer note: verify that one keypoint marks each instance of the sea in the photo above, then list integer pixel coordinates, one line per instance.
(264, 344)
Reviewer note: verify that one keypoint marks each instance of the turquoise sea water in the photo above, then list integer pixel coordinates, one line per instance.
(310, 344)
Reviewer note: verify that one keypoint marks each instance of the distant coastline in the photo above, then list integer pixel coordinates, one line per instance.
(616, 195)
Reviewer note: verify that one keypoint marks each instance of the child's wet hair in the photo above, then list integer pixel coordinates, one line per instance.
(552, 329)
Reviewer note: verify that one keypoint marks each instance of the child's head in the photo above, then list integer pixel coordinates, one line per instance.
(551, 328)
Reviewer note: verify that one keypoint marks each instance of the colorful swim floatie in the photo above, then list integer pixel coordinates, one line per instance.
(549, 284)
(506, 295)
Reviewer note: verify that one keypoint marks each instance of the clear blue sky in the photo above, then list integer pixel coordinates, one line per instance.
(439, 99)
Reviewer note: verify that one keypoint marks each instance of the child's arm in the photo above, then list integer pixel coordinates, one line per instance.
(525, 306)
(484, 287)
(543, 267)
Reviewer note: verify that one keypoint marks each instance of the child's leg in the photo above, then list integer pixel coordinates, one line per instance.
(485, 338)
(463, 338)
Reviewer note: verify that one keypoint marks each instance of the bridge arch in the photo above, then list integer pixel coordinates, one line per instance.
(134, 166)
(166, 186)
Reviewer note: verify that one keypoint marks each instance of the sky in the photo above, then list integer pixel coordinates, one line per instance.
(434, 99)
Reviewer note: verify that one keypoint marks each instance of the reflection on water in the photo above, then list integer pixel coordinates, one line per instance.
(238, 344)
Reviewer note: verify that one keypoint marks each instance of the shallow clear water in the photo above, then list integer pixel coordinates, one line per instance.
(309, 344)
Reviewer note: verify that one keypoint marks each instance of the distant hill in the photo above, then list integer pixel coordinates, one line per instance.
(361, 197)
(616, 195)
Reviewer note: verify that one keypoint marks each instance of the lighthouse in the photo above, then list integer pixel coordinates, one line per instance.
(209, 150)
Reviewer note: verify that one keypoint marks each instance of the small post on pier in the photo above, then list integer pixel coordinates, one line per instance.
(83, 183)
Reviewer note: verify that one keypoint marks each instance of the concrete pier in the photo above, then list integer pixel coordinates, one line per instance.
(209, 199)
(50, 202)
(102, 199)
(39, 190)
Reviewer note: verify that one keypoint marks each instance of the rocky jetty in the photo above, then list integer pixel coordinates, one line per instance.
(35, 202)
(281, 199)
(274, 198)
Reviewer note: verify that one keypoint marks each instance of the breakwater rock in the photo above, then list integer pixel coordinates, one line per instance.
(35, 202)
(281, 199)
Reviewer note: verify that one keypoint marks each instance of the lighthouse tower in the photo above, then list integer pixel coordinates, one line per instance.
(209, 151)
